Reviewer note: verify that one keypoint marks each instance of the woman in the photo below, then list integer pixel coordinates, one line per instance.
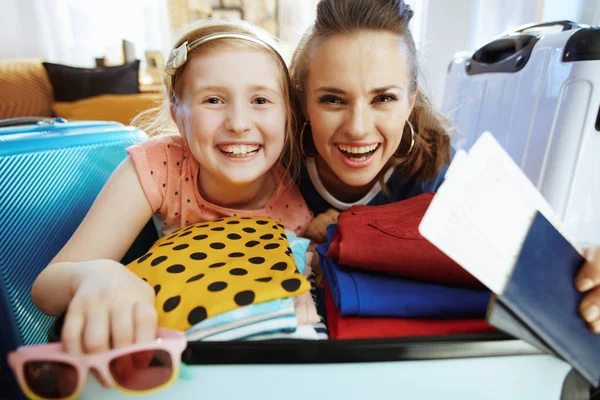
(368, 134)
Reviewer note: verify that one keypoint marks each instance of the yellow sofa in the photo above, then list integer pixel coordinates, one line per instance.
(25, 90)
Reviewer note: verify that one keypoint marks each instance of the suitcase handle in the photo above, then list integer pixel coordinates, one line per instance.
(506, 54)
(11, 122)
(566, 26)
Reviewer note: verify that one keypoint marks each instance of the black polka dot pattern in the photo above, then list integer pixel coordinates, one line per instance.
(197, 315)
(176, 269)
(199, 256)
(195, 278)
(244, 298)
(171, 303)
(205, 269)
(291, 284)
(217, 286)
(158, 260)
(280, 266)
(144, 258)
(238, 272)
(256, 260)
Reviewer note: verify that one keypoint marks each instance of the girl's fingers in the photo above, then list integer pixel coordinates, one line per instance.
(72, 329)
(97, 328)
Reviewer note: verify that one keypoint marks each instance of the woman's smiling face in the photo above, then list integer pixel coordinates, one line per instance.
(358, 99)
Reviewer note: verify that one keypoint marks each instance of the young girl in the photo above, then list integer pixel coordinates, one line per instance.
(369, 134)
(227, 92)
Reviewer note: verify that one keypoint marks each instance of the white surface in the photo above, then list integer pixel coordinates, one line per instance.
(494, 378)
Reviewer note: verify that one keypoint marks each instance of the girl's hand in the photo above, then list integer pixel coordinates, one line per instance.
(317, 229)
(588, 280)
(110, 307)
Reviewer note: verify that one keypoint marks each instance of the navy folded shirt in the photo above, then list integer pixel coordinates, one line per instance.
(357, 292)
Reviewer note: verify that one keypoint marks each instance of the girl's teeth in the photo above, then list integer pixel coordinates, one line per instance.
(237, 150)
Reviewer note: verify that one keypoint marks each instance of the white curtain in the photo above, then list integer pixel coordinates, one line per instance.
(75, 32)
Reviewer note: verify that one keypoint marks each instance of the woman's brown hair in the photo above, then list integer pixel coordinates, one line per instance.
(431, 150)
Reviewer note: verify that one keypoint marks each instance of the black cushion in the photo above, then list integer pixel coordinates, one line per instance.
(72, 83)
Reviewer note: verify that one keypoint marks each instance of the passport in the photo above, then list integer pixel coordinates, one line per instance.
(541, 296)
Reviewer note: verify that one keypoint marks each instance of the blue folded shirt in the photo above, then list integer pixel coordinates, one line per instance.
(356, 292)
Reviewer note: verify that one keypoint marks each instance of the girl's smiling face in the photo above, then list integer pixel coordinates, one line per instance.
(232, 114)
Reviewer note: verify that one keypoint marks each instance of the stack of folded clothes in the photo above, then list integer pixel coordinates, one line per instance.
(233, 278)
(383, 279)
(287, 318)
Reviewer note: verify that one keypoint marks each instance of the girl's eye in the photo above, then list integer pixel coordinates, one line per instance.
(214, 100)
(261, 101)
(330, 99)
(385, 98)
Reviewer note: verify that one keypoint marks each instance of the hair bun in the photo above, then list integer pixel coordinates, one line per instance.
(406, 11)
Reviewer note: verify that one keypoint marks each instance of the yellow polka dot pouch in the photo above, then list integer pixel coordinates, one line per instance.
(212, 267)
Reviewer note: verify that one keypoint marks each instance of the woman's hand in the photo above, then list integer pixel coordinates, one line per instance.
(317, 229)
(110, 307)
(588, 280)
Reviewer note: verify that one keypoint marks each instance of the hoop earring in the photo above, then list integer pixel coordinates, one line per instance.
(304, 153)
(412, 140)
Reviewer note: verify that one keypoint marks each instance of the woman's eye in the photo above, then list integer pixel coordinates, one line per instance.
(330, 99)
(385, 98)
(261, 101)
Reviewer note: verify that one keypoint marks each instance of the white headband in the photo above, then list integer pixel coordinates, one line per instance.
(179, 54)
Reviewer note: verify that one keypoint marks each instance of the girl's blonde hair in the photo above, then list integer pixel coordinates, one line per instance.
(431, 150)
(157, 121)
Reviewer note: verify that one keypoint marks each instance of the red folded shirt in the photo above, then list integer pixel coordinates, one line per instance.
(386, 239)
(363, 328)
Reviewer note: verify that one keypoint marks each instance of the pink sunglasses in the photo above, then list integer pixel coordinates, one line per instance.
(47, 372)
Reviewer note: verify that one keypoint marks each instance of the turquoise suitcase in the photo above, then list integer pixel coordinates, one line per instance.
(51, 171)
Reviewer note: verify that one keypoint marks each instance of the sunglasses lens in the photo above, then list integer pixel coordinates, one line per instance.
(142, 370)
(50, 379)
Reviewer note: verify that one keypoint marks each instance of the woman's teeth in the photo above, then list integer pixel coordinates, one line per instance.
(239, 150)
(358, 153)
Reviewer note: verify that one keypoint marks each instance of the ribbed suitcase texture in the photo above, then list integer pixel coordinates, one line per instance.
(50, 175)
(538, 93)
